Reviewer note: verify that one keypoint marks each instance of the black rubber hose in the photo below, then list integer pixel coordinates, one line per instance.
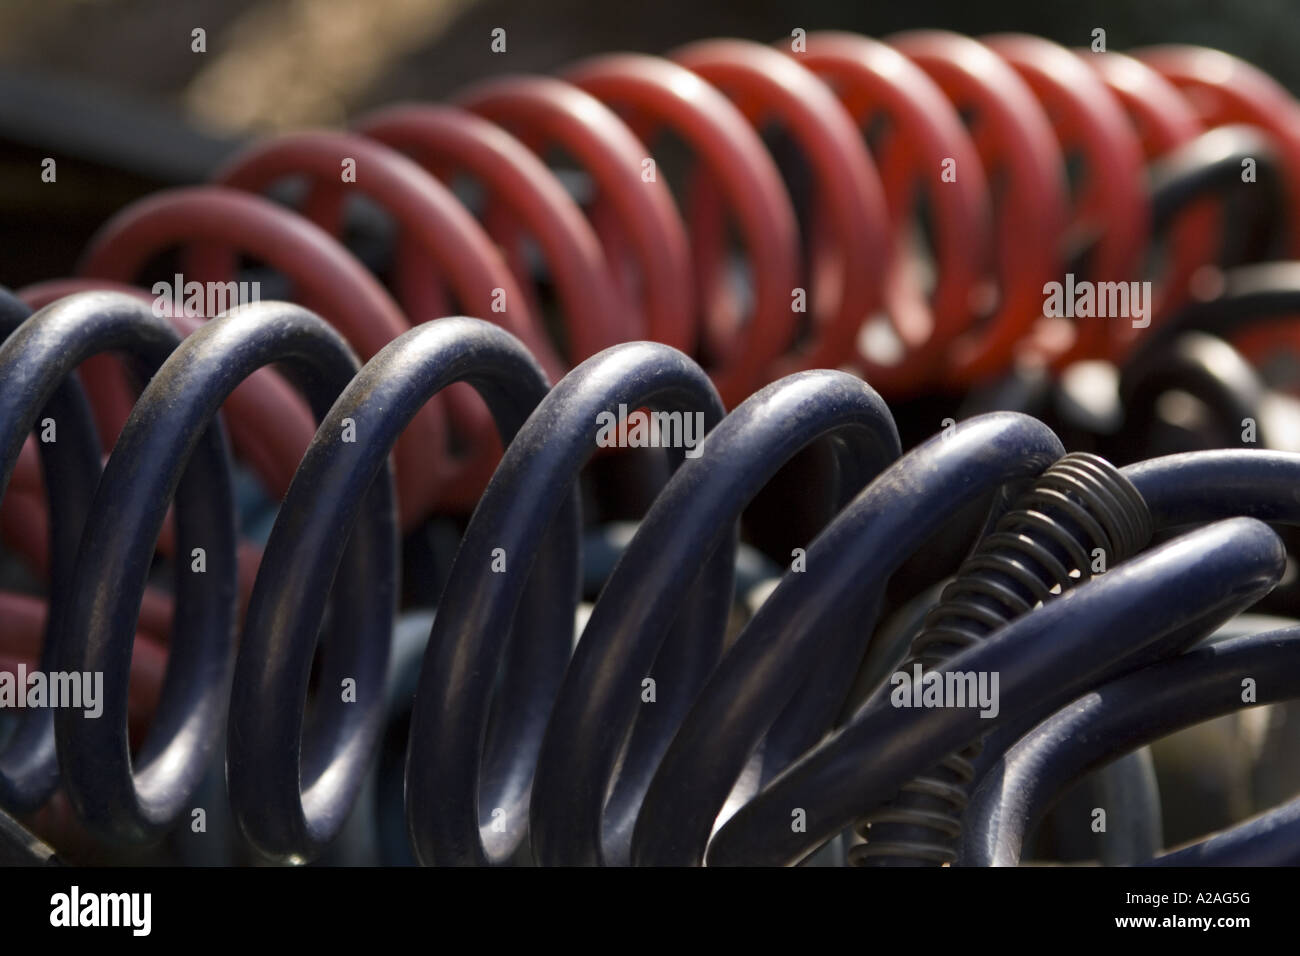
(1203, 366)
(1251, 295)
(1211, 165)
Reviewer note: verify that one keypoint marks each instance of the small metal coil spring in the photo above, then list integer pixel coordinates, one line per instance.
(1079, 517)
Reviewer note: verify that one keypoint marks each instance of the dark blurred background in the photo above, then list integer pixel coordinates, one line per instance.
(114, 92)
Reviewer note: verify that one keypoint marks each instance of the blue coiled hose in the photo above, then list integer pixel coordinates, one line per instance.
(1206, 575)
(170, 447)
(87, 627)
(1127, 713)
(520, 747)
(35, 391)
(813, 615)
(291, 798)
(467, 795)
(687, 537)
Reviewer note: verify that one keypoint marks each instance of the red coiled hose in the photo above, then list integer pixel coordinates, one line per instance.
(916, 207)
